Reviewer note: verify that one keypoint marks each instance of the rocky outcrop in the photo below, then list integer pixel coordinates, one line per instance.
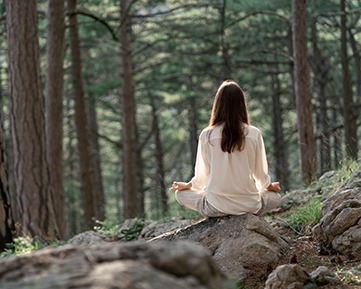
(133, 265)
(294, 276)
(240, 245)
(339, 230)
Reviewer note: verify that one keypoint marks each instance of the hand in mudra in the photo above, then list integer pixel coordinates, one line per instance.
(179, 186)
(274, 187)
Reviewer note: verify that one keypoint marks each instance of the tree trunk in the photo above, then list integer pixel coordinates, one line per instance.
(280, 151)
(70, 161)
(160, 173)
(99, 199)
(129, 123)
(54, 106)
(348, 111)
(82, 123)
(193, 130)
(357, 58)
(302, 89)
(322, 78)
(31, 171)
(226, 71)
(6, 219)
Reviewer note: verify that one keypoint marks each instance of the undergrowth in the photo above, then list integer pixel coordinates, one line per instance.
(304, 217)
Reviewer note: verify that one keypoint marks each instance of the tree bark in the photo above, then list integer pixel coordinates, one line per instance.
(54, 106)
(99, 198)
(82, 123)
(348, 110)
(31, 171)
(280, 151)
(160, 173)
(6, 219)
(302, 90)
(322, 79)
(132, 195)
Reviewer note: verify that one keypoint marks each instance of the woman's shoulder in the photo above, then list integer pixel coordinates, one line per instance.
(252, 131)
(214, 130)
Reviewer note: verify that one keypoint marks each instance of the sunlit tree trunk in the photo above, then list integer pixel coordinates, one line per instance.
(31, 171)
(132, 194)
(348, 109)
(302, 89)
(54, 106)
(87, 171)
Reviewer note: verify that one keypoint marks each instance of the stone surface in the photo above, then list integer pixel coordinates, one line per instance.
(339, 230)
(239, 244)
(133, 265)
(323, 276)
(90, 238)
(290, 276)
(157, 228)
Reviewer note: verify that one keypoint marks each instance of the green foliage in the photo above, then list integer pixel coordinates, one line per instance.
(116, 231)
(24, 245)
(304, 217)
(350, 276)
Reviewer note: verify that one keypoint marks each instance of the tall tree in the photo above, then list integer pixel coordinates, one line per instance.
(54, 106)
(6, 219)
(280, 151)
(322, 68)
(99, 199)
(302, 90)
(132, 200)
(349, 114)
(87, 171)
(31, 171)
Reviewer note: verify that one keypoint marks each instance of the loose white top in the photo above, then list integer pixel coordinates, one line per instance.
(232, 181)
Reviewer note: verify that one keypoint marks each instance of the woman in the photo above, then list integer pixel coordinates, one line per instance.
(231, 171)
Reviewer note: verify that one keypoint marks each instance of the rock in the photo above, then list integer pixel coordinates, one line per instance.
(339, 230)
(289, 276)
(132, 265)
(157, 228)
(90, 238)
(240, 245)
(323, 276)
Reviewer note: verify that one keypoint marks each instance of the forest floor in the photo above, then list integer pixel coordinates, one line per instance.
(304, 251)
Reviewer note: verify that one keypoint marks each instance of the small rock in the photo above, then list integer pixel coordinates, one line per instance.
(322, 276)
(289, 276)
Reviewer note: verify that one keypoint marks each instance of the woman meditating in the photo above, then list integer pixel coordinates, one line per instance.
(231, 171)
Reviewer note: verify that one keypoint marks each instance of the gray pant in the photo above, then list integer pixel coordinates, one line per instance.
(197, 201)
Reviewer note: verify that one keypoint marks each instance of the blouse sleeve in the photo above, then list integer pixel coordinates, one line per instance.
(260, 173)
(201, 169)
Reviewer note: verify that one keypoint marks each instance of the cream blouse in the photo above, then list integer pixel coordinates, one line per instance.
(232, 181)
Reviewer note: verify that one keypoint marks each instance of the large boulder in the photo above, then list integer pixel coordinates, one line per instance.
(240, 245)
(133, 265)
(339, 230)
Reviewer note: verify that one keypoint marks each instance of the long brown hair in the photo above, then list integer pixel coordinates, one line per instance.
(230, 110)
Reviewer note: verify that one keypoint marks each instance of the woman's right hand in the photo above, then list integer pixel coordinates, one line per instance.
(274, 187)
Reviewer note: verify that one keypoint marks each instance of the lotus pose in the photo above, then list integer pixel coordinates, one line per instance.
(231, 171)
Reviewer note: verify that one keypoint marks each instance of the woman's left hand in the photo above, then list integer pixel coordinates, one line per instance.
(180, 186)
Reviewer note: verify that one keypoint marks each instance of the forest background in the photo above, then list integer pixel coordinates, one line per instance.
(102, 102)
